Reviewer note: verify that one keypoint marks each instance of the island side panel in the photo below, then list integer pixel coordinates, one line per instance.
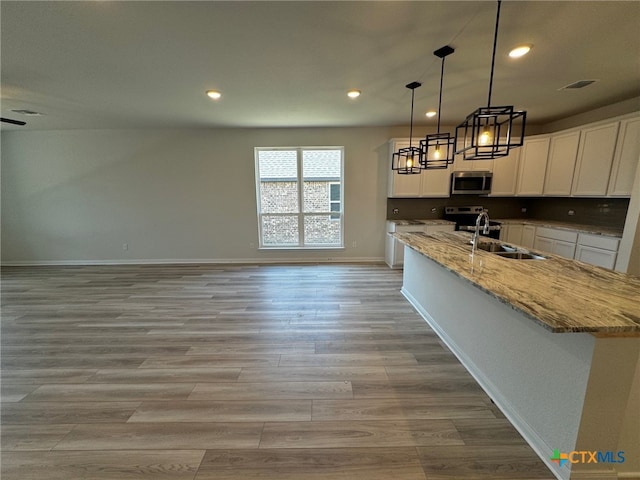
(536, 377)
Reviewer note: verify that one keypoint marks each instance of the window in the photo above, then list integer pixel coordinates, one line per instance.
(299, 193)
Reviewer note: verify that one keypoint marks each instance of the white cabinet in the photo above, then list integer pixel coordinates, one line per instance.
(558, 242)
(528, 236)
(533, 165)
(514, 234)
(597, 250)
(460, 164)
(505, 174)
(518, 234)
(625, 160)
(563, 151)
(595, 158)
(429, 183)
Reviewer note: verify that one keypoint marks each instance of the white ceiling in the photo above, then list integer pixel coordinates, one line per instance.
(144, 64)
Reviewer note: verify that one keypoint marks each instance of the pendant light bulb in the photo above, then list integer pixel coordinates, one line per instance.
(485, 138)
(410, 162)
(436, 153)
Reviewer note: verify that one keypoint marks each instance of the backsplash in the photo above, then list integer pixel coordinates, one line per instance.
(421, 208)
(604, 212)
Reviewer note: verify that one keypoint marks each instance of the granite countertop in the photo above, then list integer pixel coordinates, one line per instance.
(433, 221)
(591, 229)
(560, 294)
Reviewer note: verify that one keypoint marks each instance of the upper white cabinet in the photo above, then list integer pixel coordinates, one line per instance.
(533, 165)
(460, 164)
(505, 174)
(625, 160)
(595, 158)
(563, 151)
(429, 183)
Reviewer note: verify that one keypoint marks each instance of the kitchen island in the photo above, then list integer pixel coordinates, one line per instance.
(554, 342)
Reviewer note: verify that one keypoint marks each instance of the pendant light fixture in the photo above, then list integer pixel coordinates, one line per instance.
(407, 160)
(488, 132)
(438, 149)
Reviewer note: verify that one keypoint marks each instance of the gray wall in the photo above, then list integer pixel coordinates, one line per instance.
(78, 196)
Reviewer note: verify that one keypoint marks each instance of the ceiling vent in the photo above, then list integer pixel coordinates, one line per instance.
(578, 84)
(29, 113)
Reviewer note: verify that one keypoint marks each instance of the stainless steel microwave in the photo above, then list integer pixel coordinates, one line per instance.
(476, 182)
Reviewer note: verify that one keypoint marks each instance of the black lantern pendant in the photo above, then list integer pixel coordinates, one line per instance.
(407, 160)
(488, 132)
(438, 149)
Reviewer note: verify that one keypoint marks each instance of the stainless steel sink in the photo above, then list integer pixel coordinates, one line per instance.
(507, 251)
(520, 255)
(494, 247)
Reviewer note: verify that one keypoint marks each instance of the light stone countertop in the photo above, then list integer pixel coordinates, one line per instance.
(560, 294)
(590, 229)
(433, 221)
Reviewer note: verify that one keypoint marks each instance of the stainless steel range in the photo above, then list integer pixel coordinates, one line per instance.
(465, 218)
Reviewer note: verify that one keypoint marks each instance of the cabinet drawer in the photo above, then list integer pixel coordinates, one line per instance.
(562, 235)
(598, 241)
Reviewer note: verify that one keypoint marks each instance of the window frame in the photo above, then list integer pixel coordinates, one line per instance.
(301, 214)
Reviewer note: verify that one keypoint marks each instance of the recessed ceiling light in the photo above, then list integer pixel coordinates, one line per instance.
(520, 51)
(214, 94)
(431, 113)
(353, 93)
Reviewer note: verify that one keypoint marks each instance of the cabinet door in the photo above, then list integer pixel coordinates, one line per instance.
(504, 232)
(564, 249)
(528, 236)
(460, 164)
(563, 150)
(595, 157)
(596, 256)
(515, 234)
(533, 165)
(505, 174)
(544, 244)
(435, 183)
(626, 158)
(401, 185)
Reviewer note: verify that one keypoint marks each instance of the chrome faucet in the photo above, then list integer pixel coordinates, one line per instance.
(476, 233)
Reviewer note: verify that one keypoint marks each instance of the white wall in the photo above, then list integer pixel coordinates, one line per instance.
(78, 196)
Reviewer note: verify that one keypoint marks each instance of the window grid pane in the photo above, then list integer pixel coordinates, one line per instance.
(282, 185)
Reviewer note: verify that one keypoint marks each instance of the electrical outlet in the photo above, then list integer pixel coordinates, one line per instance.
(125, 246)
(354, 244)
(396, 211)
(571, 212)
(523, 209)
(434, 209)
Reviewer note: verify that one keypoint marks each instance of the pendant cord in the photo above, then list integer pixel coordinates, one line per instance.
(411, 124)
(493, 58)
(440, 97)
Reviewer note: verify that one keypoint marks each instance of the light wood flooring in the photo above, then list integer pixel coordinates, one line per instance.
(203, 372)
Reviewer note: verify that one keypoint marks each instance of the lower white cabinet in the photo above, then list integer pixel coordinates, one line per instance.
(518, 234)
(597, 250)
(555, 241)
(528, 236)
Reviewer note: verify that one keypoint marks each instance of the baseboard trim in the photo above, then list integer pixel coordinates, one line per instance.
(190, 261)
(537, 443)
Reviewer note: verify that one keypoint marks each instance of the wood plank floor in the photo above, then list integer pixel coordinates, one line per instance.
(202, 372)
